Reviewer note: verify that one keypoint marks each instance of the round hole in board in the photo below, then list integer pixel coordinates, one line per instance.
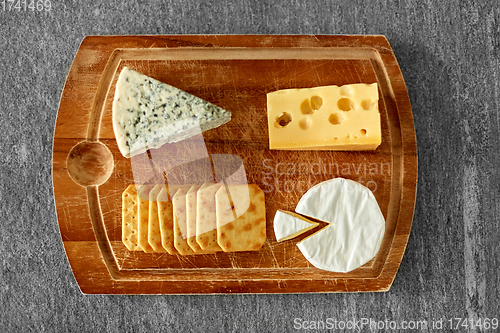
(363, 132)
(336, 118)
(345, 104)
(305, 123)
(90, 163)
(367, 104)
(284, 119)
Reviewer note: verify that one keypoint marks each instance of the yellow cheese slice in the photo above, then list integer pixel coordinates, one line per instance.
(324, 118)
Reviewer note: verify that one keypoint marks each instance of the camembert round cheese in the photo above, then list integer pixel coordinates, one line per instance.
(356, 225)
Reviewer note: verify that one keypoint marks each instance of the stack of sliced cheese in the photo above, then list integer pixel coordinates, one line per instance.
(193, 219)
(355, 225)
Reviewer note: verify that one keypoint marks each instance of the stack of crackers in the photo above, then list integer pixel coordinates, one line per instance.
(193, 219)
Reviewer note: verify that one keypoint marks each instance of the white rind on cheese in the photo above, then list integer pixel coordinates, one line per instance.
(288, 226)
(356, 225)
(148, 113)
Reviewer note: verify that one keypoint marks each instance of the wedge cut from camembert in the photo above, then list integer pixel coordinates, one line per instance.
(325, 118)
(148, 113)
(356, 227)
(288, 225)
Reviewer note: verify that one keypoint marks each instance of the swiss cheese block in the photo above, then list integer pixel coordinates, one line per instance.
(166, 218)
(129, 219)
(288, 225)
(143, 220)
(356, 225)
(206, 218)
(245, 231)
(154, 234)
(148, 113)
(325, 118)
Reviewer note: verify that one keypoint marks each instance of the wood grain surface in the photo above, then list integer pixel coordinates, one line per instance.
(449, 54)
(235, 73)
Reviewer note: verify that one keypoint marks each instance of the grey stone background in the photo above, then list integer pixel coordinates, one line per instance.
(449, 53)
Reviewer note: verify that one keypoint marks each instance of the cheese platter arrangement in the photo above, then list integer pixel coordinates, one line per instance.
(215, 164)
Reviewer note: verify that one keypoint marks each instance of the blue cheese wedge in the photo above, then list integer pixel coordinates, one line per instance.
(148, 113)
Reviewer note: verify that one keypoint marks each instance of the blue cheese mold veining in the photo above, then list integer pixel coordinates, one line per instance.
(148, 113)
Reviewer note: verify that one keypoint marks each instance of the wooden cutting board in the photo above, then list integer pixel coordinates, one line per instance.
(234, 72)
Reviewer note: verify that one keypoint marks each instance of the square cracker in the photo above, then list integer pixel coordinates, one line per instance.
(166, 217)
(180, 227)
(206, 218)
(154, 235)
(129, 219)
(241, 218)
(191, 204)
(143, 220)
